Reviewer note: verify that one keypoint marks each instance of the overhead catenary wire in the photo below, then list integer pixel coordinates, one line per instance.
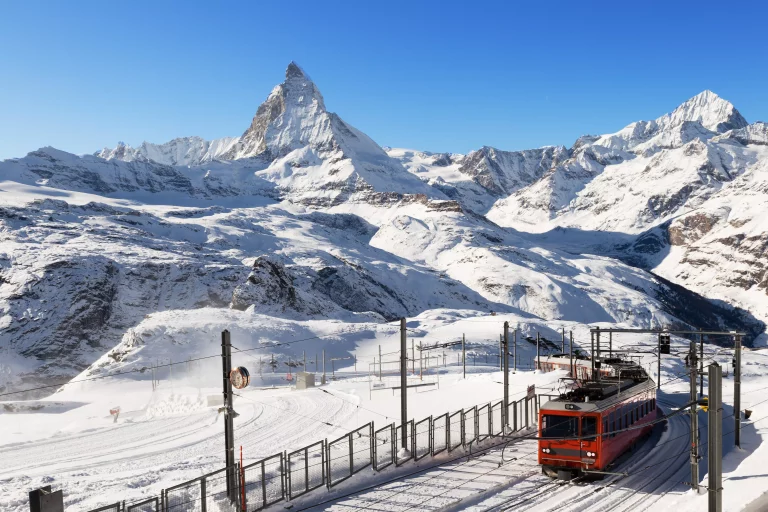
(145, 368)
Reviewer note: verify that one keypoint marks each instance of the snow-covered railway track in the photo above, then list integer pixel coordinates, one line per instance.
(162, 451)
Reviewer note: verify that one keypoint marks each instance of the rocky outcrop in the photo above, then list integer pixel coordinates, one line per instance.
(269, 287)
(504, 172)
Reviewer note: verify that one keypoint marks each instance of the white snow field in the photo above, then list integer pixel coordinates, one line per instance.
(120, 269)
(171, 434)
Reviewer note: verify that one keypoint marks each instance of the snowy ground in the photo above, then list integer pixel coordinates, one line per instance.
(170, 435)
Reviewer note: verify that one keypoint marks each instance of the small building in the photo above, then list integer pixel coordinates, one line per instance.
(305, 380)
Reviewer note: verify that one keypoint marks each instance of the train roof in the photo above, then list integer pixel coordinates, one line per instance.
(611, 390)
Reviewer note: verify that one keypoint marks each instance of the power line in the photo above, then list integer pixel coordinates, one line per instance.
(143, 369)
(115, 374)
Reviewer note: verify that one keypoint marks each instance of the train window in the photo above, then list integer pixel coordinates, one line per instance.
(605, 427)
(589, 427)
(560, 426)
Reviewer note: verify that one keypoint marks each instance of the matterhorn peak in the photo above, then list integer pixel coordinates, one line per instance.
(707, 108)
(295, 71)
(284, 121)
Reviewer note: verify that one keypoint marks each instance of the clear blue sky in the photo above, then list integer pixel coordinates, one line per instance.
(437, 76)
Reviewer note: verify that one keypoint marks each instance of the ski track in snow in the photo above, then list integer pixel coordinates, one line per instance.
(103, 459)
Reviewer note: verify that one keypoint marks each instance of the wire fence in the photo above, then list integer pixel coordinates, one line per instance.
(287, 475)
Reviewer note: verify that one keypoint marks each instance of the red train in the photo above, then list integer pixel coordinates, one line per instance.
(583, 430)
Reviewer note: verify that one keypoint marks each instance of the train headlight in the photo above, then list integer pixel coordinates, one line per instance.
(591, 454)
(545, 450)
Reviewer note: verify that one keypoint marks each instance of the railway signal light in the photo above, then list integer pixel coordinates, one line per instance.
(703, 403)
(664, 343)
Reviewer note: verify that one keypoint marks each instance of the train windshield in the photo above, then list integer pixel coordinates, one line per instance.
(560, 426)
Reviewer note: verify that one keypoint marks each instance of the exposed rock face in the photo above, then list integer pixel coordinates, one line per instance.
(504, 172)
(691, 228)
(755, 134)
(353, 289)
(269, 285)
(293, 115)
(74, 278)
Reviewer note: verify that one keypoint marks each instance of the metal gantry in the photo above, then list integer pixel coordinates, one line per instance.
(714, 403)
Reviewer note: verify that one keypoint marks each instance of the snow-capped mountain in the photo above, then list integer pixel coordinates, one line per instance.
(312, 155)
(693, 180)
(183, 151)
(305, 217)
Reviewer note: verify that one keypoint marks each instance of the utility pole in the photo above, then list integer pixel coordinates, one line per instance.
(379, 362)
(610, 344)
(514, 352)
(715, 430)
(413, 359)
(737, 389)
(505, 404)
(501, 354)
(322, 381)
(229, 413)
(598, 364)
(304, 353)
(694, 422)
(562, 351)
(464, 354)
(571, 349)
(592, 354)
(658, 367)
(701, 364)
(403, 384)
(538, 354)
(421, 362)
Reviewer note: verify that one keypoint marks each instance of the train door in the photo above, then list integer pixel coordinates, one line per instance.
(589, 438)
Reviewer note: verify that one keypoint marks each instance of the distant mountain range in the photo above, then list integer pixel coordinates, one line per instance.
(662, 223)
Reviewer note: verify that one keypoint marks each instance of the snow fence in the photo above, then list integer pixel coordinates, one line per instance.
(287, 476)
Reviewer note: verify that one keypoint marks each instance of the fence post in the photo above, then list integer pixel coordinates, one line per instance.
(514, 414)
(351, 456)
(328, 464)
(203, 504)
(431, 434)
(263, 483)
(490, 419)
(372, 432)
(323, 459)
